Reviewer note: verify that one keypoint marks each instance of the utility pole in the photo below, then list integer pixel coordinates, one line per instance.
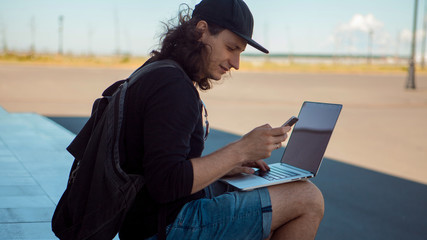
(410, 83)
(61, 35)
(396, 55)
(290, 55)
(370, 34)
(423, 46)
(117, 28)
(33, 35)
(89, 40)
(4, 40)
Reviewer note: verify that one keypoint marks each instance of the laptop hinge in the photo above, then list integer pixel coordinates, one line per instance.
(297, 169)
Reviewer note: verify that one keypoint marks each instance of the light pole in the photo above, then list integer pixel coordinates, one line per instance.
(410, 83)
(60, 34)
(33, 36)
(117, 28)
(370, 40)
(423, 46)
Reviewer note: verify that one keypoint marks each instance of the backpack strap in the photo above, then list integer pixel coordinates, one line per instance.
(78, 145)
(151, 66)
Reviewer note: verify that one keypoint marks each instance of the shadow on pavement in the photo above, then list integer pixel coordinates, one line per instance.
(360, 203)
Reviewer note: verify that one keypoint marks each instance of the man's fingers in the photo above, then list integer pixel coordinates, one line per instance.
(265, 126)
(280, 139)
(263, 165)
(280, 131)
(247, 170)
(277, 145)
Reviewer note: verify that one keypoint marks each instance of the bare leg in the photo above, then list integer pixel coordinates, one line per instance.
(297, 210)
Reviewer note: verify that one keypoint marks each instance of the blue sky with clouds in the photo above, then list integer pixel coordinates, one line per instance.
(283, 26)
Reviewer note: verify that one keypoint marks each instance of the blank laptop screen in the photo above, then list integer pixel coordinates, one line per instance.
(311, 135)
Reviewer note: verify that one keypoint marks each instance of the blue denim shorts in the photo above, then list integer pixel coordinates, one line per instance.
(232, 215)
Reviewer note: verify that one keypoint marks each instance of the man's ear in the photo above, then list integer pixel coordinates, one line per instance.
(202, 27)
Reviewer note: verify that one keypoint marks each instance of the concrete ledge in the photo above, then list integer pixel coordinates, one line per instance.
(34, 168)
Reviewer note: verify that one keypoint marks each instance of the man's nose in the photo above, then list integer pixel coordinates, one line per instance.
(235, 61)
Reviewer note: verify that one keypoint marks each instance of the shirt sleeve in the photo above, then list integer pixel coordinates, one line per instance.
(170, 117)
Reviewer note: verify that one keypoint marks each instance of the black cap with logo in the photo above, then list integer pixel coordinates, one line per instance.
(233, 15)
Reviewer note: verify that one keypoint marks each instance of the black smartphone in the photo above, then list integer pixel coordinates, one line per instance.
(290, 122)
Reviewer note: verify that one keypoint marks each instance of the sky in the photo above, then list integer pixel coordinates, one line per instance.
(282, 26)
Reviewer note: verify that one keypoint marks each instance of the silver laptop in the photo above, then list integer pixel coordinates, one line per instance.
(304, 151)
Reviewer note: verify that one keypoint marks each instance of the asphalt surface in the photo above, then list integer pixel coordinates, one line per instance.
(381, 127)
(373, 177)
(360, 203)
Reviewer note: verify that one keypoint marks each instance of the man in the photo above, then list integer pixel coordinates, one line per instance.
(164, 139)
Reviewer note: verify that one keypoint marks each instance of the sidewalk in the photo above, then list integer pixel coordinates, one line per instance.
(34, 165)
(33, 171)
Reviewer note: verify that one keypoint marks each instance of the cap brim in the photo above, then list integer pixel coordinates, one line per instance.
(253, 43)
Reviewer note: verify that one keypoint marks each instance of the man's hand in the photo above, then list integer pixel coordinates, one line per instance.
(239, 156)
(248, 168)
(260, 142)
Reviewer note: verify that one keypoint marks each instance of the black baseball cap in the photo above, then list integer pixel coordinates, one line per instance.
(233, 15)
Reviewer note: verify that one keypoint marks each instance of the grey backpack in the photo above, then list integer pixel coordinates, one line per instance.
(99, 193)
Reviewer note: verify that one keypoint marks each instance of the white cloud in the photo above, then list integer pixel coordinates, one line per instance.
(355, 36)
(362, 23)
(406, 35)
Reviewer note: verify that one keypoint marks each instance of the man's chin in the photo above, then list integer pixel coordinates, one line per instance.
(216, 77)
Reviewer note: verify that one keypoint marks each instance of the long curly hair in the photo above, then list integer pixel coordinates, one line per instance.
(180, 42)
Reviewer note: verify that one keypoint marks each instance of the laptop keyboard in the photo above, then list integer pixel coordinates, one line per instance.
(276, 173)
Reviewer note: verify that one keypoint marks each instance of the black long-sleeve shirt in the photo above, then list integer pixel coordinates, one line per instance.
(163, 131)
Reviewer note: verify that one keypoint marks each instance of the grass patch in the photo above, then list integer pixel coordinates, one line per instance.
(71, 60)
(324, 67)
(259, 64)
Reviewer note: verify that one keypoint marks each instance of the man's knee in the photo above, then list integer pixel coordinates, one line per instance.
(300, 203)
(303, 197)
(315, 203)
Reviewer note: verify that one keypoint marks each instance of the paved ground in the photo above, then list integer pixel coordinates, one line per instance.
(33, 173)
(382, 126)
(360, 203)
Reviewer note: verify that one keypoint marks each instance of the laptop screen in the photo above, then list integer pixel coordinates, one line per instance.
(310, 136)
